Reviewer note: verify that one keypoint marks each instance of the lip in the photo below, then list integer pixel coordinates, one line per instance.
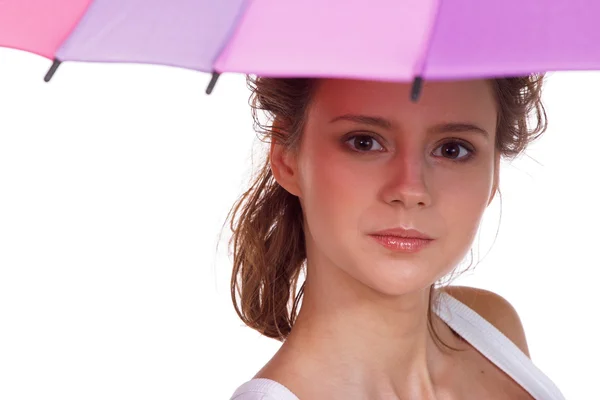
(402, 244)
(402, 240)
(403, 233)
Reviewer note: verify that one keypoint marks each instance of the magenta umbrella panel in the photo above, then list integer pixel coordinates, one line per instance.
(394, 40)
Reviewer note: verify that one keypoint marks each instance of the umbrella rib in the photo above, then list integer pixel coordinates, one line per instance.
(417, 85)
(234, 27)
(55, 64)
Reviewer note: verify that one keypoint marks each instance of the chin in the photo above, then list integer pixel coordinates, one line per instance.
(397, 277)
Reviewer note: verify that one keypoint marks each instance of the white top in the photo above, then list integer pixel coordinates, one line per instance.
(482, 335)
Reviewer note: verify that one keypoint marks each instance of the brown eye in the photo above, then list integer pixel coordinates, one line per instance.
(364, 143)
(453, 151)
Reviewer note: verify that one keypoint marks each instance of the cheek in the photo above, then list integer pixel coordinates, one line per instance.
(462, 203)
(334, 193)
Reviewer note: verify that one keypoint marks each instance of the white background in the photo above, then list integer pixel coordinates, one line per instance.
(115, 181)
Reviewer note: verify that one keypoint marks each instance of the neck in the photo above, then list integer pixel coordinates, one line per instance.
(363, 344)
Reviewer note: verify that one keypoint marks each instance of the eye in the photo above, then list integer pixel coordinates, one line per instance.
(454, 150)
(364, 143)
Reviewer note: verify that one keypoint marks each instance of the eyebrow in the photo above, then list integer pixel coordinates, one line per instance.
(364, 119)
(446, 127)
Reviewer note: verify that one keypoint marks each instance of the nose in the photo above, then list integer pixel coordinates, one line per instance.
(406, 182)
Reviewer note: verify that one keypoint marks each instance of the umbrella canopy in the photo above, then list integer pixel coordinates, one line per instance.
(397, 40)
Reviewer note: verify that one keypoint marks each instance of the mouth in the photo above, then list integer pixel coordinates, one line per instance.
(402, 240)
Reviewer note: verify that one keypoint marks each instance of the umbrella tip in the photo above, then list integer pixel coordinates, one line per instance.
(55, 64)
(417, 87)
(213, 82)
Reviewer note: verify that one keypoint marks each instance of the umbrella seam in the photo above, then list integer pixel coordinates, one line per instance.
(232, 30)
(420, 64)
(72, 30)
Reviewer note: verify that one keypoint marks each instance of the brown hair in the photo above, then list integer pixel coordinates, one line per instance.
(266, 221)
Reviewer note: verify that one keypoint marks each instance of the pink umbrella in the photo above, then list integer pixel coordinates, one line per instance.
(397, 40)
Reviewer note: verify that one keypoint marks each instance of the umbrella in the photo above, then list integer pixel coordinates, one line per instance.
(396, 40)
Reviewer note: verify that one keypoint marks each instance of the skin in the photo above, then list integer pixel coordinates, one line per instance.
(362, 328)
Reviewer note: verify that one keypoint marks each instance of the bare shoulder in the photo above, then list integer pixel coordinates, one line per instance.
(495, 309)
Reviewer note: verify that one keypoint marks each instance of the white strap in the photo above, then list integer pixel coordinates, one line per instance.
(494, 345)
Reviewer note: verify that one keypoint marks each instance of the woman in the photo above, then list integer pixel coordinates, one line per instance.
(376, 198)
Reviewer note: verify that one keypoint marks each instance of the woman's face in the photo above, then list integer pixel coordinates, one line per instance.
(370, 160)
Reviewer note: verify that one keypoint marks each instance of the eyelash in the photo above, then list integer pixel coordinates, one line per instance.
(470, 149)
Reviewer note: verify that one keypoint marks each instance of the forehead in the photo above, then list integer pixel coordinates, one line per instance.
(472, 101)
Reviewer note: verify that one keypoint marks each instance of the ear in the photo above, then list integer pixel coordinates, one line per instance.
(284, 165)
(496, 182)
